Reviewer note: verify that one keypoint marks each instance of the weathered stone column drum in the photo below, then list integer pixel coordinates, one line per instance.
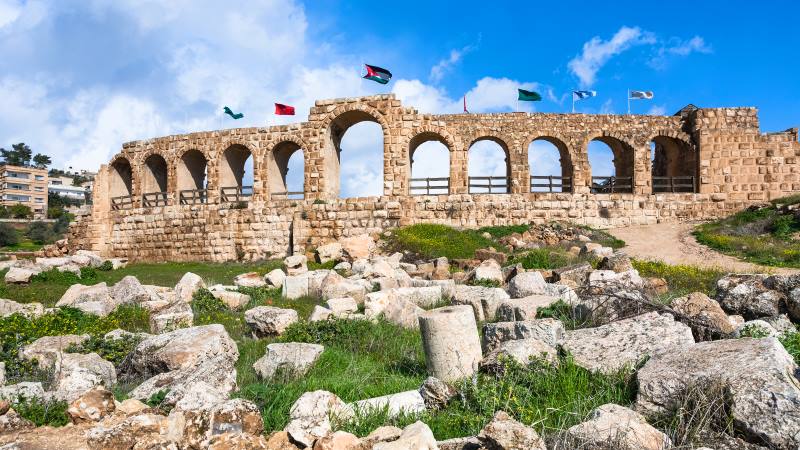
(451, 342)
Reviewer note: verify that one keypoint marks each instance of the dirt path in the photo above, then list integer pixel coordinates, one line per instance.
(674, 244)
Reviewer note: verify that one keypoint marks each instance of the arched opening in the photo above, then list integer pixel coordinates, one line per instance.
(192, 176)
(611, 163)
(236, 174)
(674, 165)
(429, 159)
(286, 171)
(488, 166)
(356, 166)
(550, 165)
(154, 181)
(120, 184)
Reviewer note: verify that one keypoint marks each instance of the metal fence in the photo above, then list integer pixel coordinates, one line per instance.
(610, 185)
(429, 186)
(193, 196)
(674, 184)
(540, 183)
(122, 202)
(152, 199)
(236, 193)
(493, 185)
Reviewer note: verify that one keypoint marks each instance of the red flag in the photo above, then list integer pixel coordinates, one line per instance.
(283, 110)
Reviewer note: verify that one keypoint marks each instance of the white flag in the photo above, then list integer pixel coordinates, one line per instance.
(641, 95)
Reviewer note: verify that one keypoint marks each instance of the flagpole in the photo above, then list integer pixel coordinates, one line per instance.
(573, 102)
(629, 101)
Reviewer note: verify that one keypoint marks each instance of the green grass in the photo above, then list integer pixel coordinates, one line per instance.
(681, 279)
(761, 236)
(791, 342)
(25, 245)
(48, 288)
(550, 399)
(502, 231)
(548, 258)
(432, 241)
(362, 359)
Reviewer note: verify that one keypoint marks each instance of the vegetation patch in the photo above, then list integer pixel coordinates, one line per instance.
(767, 235)
(41, 412)
(17, 330)
(681, 279)
(549, 258)
(113, 350)
(428, 241)
(791, 342)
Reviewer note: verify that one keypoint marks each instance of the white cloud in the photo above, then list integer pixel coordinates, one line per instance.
(676, 47)
(9, 12)
(596, 52)
(445, 65)
(657, 110)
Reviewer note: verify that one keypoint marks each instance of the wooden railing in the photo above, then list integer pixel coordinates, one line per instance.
(494, 185)
(610, 185)
(236, 193)
(674, 184)
(193, 196)
(152, 199)
(551, 184)
(288, 195)
(429, 186)
(122, 202)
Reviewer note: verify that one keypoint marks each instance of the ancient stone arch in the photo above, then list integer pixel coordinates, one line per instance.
(335, 125)
(191, 176)
(480, 181)
(675, 162)
(231, 170)
(276, 165)
(418, 137)
(624, 152)
(565, 159)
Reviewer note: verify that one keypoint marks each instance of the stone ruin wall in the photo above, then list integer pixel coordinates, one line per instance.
(733, 163)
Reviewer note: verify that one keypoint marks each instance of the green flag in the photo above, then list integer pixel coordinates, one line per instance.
(528, 96)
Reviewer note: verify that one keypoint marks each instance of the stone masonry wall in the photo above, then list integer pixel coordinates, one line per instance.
(736, 165)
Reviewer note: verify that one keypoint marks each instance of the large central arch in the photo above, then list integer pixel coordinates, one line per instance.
(338, 126)
(488, 174)
(154, 181)
(545, 178)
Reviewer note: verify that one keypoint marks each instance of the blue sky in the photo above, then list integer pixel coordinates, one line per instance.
(82, 76)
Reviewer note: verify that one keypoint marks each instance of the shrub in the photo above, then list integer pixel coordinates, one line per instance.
(52, 413)
(753, 331)
(40, 233)
(106, 266)
(8, 235)
(546, 258)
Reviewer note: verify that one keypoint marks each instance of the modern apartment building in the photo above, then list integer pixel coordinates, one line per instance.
(64, 187)
(26, 185)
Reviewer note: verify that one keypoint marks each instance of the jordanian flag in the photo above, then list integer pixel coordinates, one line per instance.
(230, 113)
(528, 96)
(378, 74)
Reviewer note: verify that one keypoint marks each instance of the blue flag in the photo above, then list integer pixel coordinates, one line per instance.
(580, 95)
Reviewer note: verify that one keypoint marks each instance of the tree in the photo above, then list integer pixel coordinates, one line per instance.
(20, 211)
(19, 155)
(42, 161)
(39, 232)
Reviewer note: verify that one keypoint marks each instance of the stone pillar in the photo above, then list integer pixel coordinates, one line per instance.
(451, 342)
(458, 171)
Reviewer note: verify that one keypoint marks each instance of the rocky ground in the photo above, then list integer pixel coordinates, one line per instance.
(715, 369)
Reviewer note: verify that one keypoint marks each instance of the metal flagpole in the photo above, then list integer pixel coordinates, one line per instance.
(629, 101)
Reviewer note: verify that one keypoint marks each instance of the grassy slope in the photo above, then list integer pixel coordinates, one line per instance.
(764, 236)
(49, 291)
